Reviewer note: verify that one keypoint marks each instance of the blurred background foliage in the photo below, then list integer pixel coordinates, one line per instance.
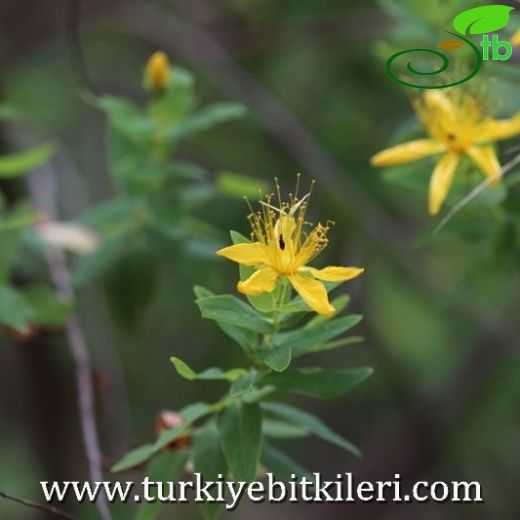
(441, 314)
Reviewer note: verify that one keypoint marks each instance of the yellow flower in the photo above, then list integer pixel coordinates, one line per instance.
(282, 246)
(157, 73)
(457, 127)
(515, 40)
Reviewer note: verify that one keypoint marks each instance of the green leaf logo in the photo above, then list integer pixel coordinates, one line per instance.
(480, 20)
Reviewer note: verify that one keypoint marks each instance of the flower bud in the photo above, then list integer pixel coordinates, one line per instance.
(157, 72)
(167, 420)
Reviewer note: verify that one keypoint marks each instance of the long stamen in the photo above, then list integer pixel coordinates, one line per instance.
(295, 208)
(296, 191)
(274, 208)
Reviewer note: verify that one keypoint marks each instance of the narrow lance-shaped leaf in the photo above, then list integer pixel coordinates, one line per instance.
(281, 465)
(17, 164)
(245, 338)
(312, 423)
(240, 186)
(228, 309)
(207, 118)
(303, 340)
(209, 461)
(168, 467)
(317, 382)
(282, 429)
(240, 429)
(209, 374)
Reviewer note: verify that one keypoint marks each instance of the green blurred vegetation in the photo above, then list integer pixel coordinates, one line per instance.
(441, 323)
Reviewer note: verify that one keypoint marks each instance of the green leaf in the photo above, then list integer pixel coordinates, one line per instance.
(111, 215)
(282, 466)
(202, 292)
(167, 467)
(303, 340)
(228, 309)
(15, 311)
(256, 394)
(276, 357)
(178, 100)
(126, 117)
(170, 436)
(240, 186)
(19, 163)
(206, 119)
(190, 414)
(283, 430)
(47, 308)
(352, 340)
(209, 374)
(264, 302)
(245, 338)
(240, 429)
(17, 222)
(134, 458)
(183, 369)
(187, 170)
(484, 19)
(312, 423)
(317, 382)
(209, 461)
(244, 383)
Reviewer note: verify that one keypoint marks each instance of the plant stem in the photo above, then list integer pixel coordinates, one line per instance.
(78, 349)
(37, 505)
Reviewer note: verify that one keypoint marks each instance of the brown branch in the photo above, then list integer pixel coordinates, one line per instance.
(78, 349)
(37, 505)
(43, 191)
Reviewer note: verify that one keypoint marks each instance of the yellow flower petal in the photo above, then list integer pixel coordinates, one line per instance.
(246, 254)
(407, 152)
(515, 40)
(335, 274)
(497, 129)
(313, 293)
(486, 159)
(441, 180)
(261, 281)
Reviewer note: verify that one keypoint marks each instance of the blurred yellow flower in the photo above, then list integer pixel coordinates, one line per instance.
(281, 246)
(157, 73)
(457, 127)
(515, 40)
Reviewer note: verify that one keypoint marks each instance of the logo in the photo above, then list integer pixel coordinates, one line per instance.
(477, 21)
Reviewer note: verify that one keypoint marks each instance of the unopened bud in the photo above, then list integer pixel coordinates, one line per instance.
(157, 72)
(167, 420)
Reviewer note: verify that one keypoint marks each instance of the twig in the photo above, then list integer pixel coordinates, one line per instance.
(43, 196)
(77, 345)
(37, 505)
(77, 56)
(473, 194)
